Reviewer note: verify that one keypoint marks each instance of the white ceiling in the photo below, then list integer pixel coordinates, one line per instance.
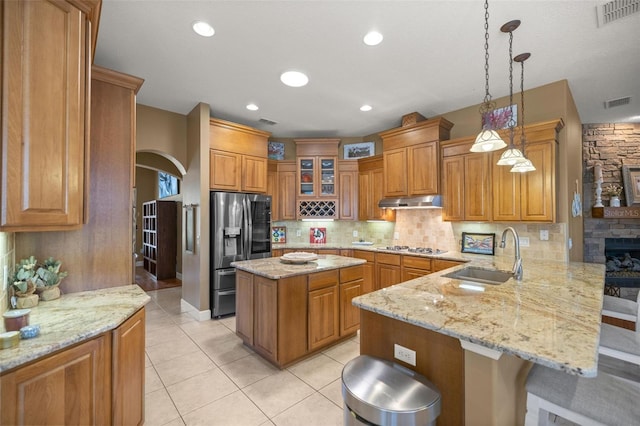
(431, 60)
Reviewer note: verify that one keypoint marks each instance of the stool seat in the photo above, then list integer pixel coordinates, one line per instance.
(605, 399)
(619, 343)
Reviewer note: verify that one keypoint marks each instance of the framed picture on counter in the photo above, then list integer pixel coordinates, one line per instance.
(473, 242)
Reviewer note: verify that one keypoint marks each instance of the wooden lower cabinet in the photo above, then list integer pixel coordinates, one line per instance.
(351, 283)
(440, 264)
(414, 267)
(128, 362)
(97, 382)
(324, 326)
(388, 271)
(369, 283)
(244, 306)
(265, 336)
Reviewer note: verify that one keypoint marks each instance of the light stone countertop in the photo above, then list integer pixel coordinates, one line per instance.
(552, 317)
(73, 318)
(275, 269)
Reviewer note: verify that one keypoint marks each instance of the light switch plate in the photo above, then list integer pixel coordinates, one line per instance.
(396, 235)
(524, 241)
(355, 234)
(298, 233)
(544, 235)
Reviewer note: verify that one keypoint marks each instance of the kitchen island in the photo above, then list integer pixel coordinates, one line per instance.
(476, 342)
(85, 367)
(286, 312)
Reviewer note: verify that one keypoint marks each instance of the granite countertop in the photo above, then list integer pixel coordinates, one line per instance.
(73, 318)
(552, 317)
(275, 269)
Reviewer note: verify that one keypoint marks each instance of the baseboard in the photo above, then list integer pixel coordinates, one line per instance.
(196, 314)
(179, 276)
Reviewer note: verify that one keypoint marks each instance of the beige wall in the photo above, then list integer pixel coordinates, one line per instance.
(162, 132)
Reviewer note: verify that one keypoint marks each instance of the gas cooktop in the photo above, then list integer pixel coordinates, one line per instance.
(407, 249)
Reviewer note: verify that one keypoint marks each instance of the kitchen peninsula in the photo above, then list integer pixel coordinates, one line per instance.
(476, 342)
(286, 312)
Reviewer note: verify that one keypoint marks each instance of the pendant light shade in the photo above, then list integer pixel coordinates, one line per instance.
(510, 156)
(523, 166)
(487, 140)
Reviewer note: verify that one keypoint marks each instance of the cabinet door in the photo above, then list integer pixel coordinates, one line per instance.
(254, 174)
(377, 194)
(453, 188)
(265, 331)
(348, 184)
(538, 197)
(244, 306)
(388, 275)
(395, 176)
(324, 321)
(272, 189)
(477, 187)
(411, 273)
(287, 192)
(349, 314)
(369, 278)
(128, 366)
(328, 172)
(423, 169)
(71, 387)
(307, 170)
(506, 191)
(44, 97)
(225, 170)
(364, 196)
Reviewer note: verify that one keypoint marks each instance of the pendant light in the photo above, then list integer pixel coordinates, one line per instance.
(524, 165)
(512, 154)
(488, 139)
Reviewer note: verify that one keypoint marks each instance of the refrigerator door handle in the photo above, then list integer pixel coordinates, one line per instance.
(227, 293)
(247, 228)
(227, 272)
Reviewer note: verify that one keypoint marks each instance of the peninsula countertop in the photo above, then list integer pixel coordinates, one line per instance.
(74, 318)
(273, 268)
(552, 317)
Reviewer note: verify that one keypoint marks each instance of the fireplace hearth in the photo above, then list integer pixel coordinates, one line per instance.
(622, 264)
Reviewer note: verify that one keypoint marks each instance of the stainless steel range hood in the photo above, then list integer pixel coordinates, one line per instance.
(424, 202)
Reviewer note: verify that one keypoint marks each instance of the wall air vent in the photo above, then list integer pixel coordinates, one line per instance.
(267, 121)
(616, 9)
(617, 102)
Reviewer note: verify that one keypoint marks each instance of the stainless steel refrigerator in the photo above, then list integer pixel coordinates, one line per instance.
(240, 230)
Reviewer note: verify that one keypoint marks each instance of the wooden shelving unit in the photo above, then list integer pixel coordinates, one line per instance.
(159, 241)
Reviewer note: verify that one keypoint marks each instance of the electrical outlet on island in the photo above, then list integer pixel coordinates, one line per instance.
(404, 354)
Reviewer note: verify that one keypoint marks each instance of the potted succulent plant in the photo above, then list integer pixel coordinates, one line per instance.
(48, 277)
(23, 284)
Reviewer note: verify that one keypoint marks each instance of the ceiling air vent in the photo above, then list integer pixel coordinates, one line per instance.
(617, 102)
(615, 10)
(267, 121)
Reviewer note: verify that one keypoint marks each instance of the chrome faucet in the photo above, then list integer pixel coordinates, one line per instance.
(517, 265)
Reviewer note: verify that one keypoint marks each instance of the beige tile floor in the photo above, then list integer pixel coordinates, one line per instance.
(199, 373)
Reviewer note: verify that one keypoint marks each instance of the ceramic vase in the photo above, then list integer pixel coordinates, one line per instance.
(615, 201)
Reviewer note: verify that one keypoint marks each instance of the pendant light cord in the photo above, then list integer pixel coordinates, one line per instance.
(487, 95)
(522, 137)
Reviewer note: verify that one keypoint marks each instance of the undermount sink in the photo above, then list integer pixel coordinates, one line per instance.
(479, 275)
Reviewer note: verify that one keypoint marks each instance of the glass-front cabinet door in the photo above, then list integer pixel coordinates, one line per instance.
(317, 176)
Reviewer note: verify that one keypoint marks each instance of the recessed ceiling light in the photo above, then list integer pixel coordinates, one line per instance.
(252, 107)
(203, 29)
(373, 38)
(366, 108)
(294, 79)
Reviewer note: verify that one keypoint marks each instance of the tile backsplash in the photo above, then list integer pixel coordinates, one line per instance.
(7, 263)
(425, 228)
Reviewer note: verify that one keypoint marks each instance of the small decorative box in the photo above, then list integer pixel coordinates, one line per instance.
(30, 331)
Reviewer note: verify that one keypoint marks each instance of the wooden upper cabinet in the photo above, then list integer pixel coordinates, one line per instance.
(529, 196)
(424, 176)
(238, 157)
(411, 158)
(46, 71)
(287, 190)
(317, 168)
(273, 189)
(466, 182)
(371, 190)
(348, 189)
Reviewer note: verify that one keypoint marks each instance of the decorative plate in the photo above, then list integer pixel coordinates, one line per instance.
(298, 257)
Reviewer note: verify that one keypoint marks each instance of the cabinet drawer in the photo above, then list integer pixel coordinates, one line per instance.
(440, 264)
(416, 262)
(388, 259)
(351, 273)
(369, 256)
(323, 279)
(328, 251)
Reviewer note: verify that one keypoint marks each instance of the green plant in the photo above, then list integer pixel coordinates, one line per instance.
(24, 279)
(48, 274)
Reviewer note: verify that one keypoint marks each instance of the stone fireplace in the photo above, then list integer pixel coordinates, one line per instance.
(613, 145)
